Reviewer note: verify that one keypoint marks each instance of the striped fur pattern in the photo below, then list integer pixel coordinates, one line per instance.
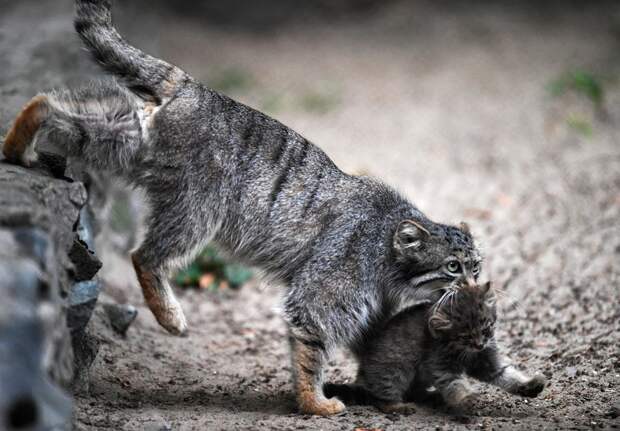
(350, 250)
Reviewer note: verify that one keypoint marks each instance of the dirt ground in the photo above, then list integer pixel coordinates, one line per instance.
(451, 105)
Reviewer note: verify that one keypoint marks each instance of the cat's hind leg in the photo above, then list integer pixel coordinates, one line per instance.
(97, 124)
(18, 143)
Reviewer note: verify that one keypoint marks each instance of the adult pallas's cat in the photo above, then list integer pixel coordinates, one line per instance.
(349, 250)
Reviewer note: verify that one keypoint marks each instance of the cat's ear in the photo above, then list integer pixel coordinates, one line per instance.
(438, 322)
(465, 227)
(409, 237)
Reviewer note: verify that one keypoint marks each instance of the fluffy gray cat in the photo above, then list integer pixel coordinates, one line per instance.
(435, 345)
(350, 250)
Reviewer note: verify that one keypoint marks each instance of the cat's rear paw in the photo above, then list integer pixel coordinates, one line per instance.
(532, 387)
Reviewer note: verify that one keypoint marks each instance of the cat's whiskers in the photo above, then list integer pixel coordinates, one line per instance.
(513, 303)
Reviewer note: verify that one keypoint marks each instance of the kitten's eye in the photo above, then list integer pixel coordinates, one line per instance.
(453, 267)
(487, 332)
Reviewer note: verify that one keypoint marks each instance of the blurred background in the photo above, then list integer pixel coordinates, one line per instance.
(502, 114)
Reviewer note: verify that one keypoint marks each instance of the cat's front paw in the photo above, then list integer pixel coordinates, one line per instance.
(323, 407)
(532, 387)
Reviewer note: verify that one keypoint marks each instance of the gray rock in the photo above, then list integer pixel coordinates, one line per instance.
(82, 301)
(33, 334)
(85, 261)
(120, 316)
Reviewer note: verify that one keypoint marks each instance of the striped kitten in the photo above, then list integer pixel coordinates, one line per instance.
(435, 345)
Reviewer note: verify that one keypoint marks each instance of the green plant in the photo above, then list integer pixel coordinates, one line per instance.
(320, 100)
(582, 82)
(580, 125)
(210, 271)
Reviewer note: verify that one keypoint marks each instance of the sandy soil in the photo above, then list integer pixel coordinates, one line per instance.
(451, 106)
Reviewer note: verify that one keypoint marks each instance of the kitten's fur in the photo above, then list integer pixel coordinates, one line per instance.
(350, 250)
(434, 345)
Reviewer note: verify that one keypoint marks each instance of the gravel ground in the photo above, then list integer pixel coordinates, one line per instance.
(449, 104)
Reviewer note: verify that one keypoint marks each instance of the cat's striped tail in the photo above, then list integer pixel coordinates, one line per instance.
(150, 78)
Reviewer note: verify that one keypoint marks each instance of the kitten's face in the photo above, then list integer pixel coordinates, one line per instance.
(436, 254)
(466, 318)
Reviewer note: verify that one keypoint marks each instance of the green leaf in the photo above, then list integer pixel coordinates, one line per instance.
(237, 275)
(581, 82)
(588, 85)
(580, 125)
(189, 276)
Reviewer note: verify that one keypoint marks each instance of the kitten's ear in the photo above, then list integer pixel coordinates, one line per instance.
(465, 227)
(486, 287)
(409, 237)
(489, 294)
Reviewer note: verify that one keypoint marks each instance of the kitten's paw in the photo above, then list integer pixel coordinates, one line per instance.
(532, 387)
(468, 405)
(399, 408)
(457, 393)
(324, 407)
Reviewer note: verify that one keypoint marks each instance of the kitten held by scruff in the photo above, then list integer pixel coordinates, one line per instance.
(435, 345)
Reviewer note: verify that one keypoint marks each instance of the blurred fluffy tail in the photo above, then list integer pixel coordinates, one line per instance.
(148, 77)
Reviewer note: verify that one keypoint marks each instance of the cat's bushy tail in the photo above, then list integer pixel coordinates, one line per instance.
(148, 77)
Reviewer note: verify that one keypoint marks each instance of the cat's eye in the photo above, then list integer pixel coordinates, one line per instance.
(487, 332)
(453, 267)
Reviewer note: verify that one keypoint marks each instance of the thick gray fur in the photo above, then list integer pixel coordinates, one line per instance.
(350, 250)
(435, 344)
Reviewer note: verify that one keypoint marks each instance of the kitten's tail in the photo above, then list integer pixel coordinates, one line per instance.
(148, 77)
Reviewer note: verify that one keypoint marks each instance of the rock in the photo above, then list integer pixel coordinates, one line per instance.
(33, 333)
(82, 301)
(86, 262)
(121, 316)
(85, 348)
(84, 294)
(614, 411)
(44, 313)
